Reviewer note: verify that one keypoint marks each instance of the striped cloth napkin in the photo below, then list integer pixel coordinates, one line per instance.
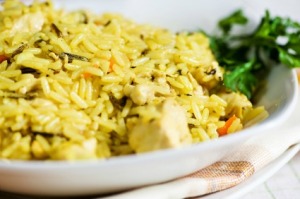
(249, 158)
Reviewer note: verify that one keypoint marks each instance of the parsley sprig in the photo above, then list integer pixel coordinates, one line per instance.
(245, 57)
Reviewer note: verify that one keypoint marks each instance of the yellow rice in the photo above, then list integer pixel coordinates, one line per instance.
(55, 106)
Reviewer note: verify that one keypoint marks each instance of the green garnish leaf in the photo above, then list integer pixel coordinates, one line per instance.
(241, 79)
(288, 59)
(247, 56)
(235, 18)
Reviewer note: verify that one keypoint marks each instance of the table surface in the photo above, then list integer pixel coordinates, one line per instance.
(284, 184)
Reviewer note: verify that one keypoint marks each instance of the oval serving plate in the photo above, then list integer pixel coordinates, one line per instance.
(61, 178)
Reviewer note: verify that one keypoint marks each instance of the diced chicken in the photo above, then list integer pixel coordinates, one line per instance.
(167, 131)
(32, 22)
(236, 103)
(73, 151)
(139, 94)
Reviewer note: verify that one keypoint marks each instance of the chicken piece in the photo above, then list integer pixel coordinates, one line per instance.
(237, 103)
(139, 94)
(73, 150)
(169, 130)
(28, 23)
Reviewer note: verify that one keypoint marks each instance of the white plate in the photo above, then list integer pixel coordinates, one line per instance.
(237, 191)
(115, 174)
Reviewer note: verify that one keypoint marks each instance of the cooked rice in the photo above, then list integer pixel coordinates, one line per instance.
(74, 85)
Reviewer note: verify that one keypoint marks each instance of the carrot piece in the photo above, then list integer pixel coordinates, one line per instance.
(224, 129)
(98, 23)
(3, 58)
(87, 75)
(111, 65)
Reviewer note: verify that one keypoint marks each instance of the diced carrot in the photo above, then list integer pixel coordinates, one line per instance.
(3, 58)
(224, 129)
(87, 75)
(98, 23)
(96, 65)
(111, 65)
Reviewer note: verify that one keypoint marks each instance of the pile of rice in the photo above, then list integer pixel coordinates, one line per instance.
(74, 85)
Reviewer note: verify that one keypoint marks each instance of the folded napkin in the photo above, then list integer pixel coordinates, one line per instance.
(235, 168)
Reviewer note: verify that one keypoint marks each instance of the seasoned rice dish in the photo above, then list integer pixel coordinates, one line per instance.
(76, 85)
